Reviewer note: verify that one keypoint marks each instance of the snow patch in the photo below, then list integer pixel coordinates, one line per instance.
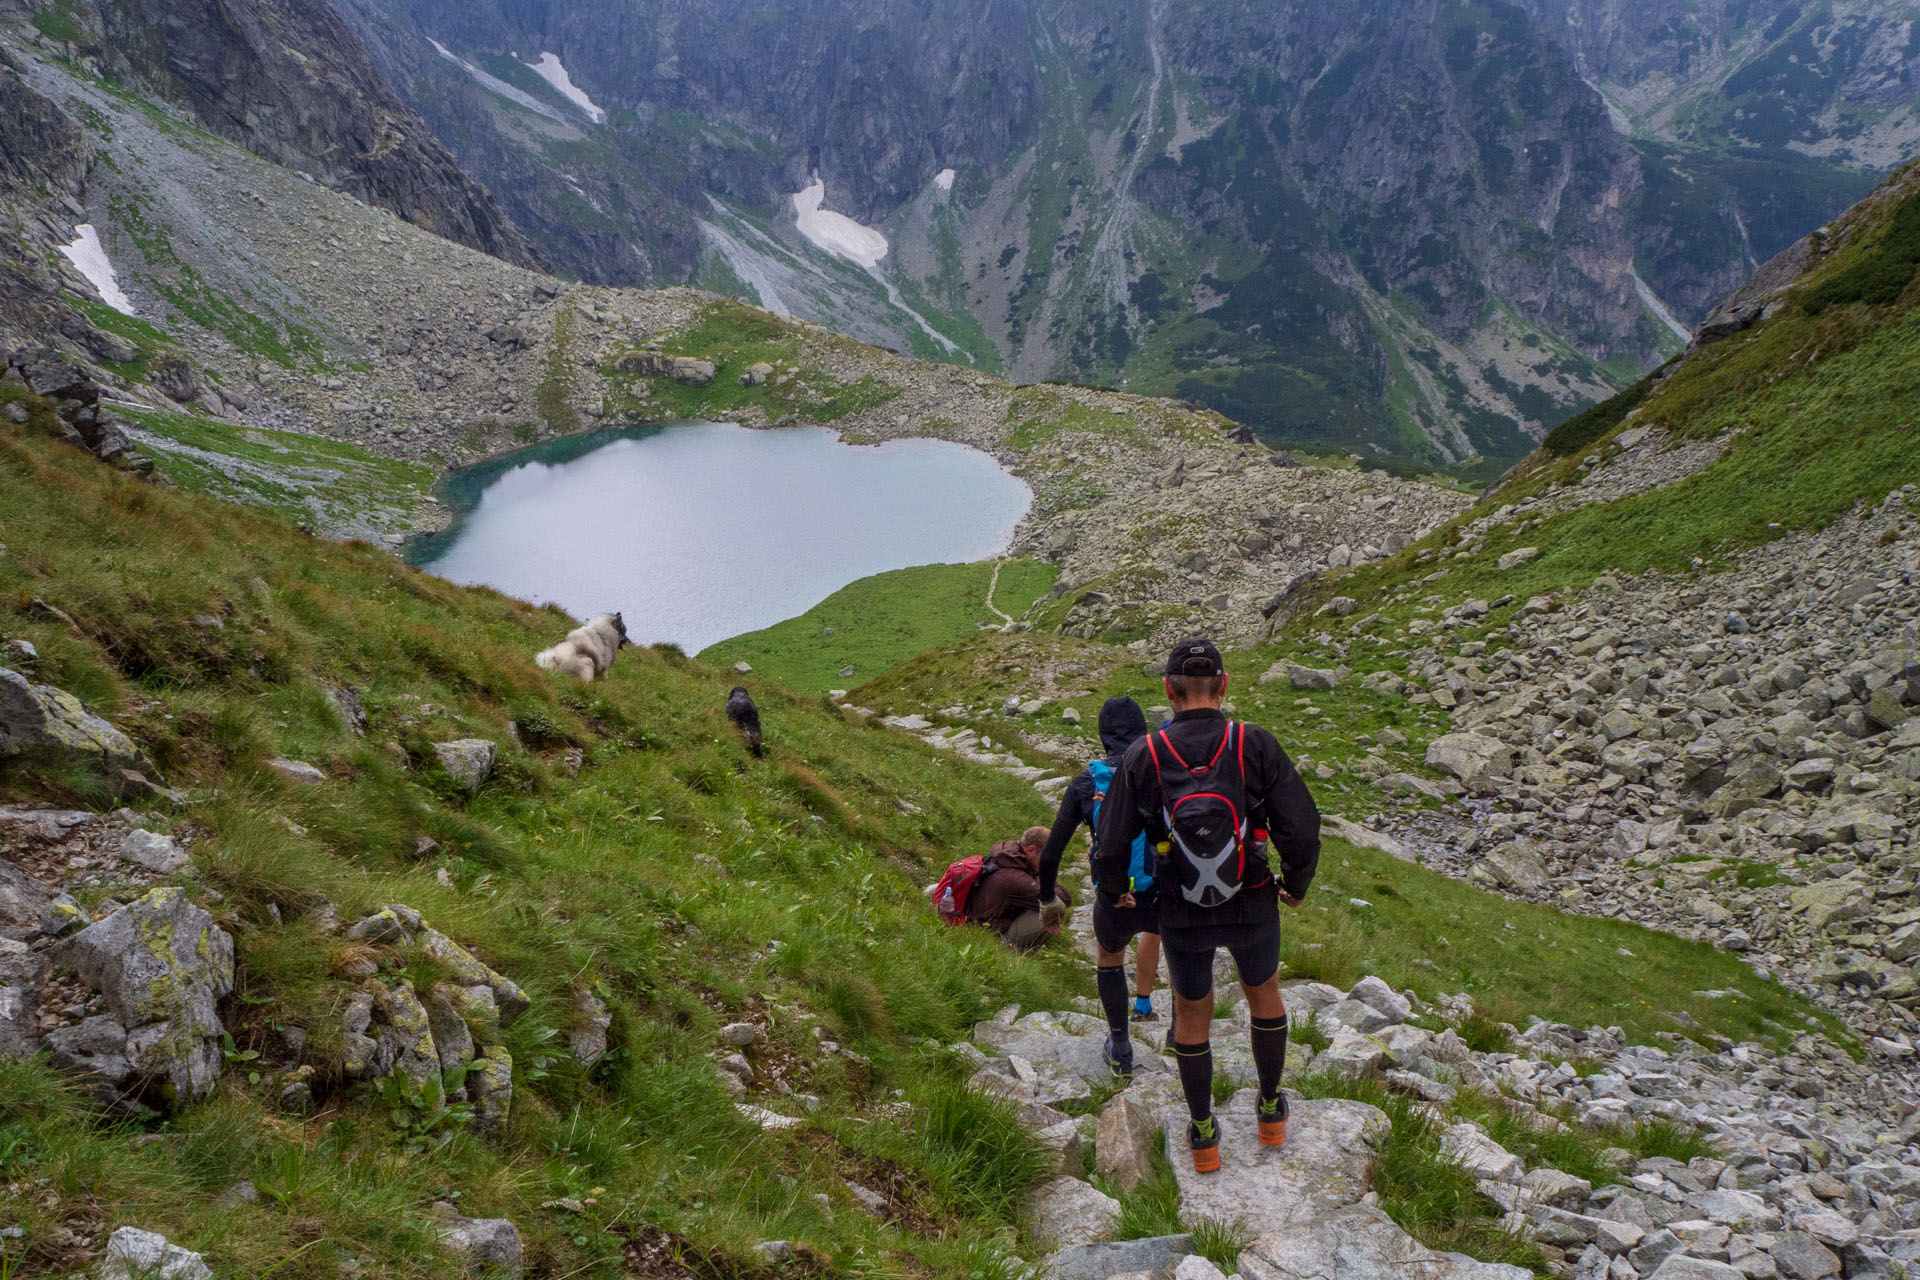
(550, 69)
(944, 179)
(836, 232)
(495, 85)
(89, 257)
(1652, 302)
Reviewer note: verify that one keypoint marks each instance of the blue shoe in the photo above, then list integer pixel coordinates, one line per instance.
(1143, 1010)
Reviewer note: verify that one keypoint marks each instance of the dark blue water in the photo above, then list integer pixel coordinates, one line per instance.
(703, 531)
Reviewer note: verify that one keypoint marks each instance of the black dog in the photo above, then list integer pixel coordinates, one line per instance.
(746, 716)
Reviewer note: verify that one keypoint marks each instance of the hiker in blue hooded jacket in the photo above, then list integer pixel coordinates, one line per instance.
(1121, 725)
(1210, 794)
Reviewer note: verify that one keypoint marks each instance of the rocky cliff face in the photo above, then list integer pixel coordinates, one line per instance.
(1834, 80)
(1419, 227)
(291, 83)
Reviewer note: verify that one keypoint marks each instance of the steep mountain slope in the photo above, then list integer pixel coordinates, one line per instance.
(1418, 229)
(1835, 80)
(271, 309)
(294, 85)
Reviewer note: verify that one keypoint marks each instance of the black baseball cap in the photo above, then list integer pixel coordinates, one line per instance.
(1196, 657)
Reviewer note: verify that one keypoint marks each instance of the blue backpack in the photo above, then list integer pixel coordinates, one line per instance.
(1140, 871)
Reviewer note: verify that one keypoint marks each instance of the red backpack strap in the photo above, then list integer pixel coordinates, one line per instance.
(1154, 753)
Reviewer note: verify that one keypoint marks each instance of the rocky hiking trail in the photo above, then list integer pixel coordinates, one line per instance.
(1801, 1184)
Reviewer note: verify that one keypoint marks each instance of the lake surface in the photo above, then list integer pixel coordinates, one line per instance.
(700, 532)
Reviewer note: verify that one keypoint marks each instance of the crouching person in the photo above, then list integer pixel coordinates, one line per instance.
(1007, 896)
(1210, 794)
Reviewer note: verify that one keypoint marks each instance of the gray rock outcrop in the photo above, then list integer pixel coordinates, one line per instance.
(162, 964)
(40, 720)
(133, 1254)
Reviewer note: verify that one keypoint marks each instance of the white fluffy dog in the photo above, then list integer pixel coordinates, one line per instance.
(587, 651)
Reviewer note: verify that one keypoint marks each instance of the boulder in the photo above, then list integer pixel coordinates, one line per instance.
(469, 761)
(1517, 557)
(452, 1038)
(1195, 1267)
(1311, 678)
(157, 853)
(1066, 1211)
(20, 974)
(411, 1030)
(1124, 1146)
(22, 898)
(491, 1245)
(297, 771)
(1683, 1266)
(133, 1254)
(1352, 1015)
(1375, 993)
(1800, 1257)
(1359, 1242)
(468, 971)
(1350, 1053)
(1154, 1256)
(1469, 756)
(1514, 866)
(491, 1085)
(589, 1035)
(162, 964)
(1469, 1147)
(40, 720)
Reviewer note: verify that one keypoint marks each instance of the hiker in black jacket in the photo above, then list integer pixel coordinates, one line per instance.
(1122, 723)
(1210, 794)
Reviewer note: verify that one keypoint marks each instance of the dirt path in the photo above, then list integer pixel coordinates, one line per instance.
(993, 584)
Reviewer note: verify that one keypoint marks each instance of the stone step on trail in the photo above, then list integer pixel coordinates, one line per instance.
(1325, 1164)
(1359, 1242)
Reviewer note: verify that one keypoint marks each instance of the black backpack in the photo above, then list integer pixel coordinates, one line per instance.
(1204, 807)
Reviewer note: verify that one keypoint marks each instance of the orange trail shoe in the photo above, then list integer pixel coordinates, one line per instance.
(1203, 1140)
(1273, 1122)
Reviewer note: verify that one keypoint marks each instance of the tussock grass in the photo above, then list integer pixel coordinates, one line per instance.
(1221, 1243)
(1152, 1208)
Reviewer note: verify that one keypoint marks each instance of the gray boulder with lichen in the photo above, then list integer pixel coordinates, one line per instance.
(162, 965)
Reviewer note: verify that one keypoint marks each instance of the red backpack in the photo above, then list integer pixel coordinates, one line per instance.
(951, 895)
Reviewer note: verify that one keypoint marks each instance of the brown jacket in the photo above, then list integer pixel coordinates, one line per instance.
(1010, 891)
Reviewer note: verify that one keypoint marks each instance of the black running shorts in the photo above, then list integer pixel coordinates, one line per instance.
(1255, 948)
(1115, 927)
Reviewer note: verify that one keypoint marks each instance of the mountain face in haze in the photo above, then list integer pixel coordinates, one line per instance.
(293, 85)
(1432, 228)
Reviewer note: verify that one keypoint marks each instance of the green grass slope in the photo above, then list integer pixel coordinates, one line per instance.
(685, 882)
(1372, 914)
(882, 621)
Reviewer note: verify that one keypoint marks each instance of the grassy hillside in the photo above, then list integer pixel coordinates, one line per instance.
(880, 622)
(1815, 404)
(684, 882)
(1370, 913)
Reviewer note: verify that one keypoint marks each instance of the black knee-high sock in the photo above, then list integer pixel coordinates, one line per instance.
(1113, 997)
(1196, 1076)
(1270, 1054)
